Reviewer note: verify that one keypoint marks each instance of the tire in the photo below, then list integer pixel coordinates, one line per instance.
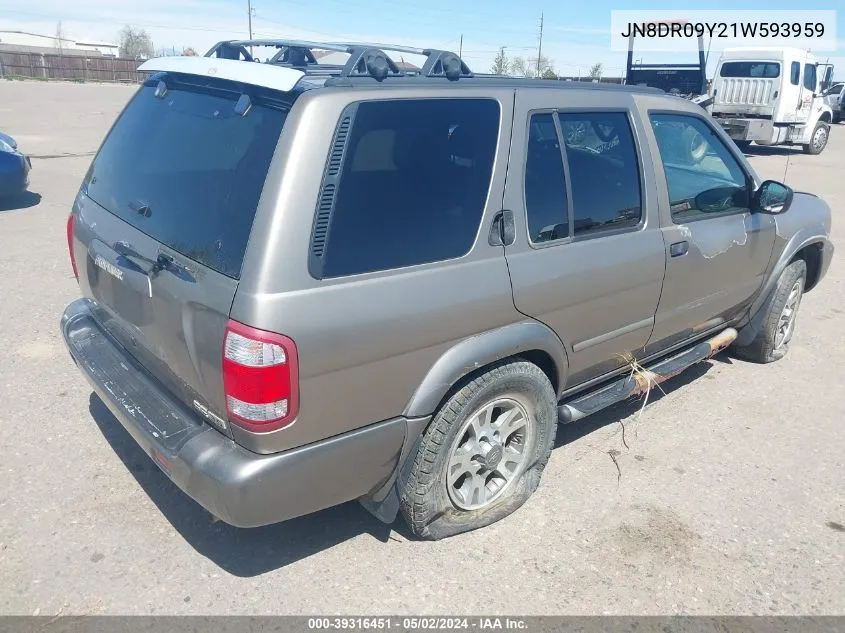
(771, 343)
(694, 146)
(743, 145)
(436, 504)
(818, 141)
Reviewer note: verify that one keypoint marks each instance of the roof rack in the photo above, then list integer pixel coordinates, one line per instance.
(365, 60)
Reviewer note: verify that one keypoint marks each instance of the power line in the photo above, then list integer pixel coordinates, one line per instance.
(134, 22)
(414, 22)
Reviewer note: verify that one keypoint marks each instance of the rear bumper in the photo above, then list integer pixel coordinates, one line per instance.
(242, 488)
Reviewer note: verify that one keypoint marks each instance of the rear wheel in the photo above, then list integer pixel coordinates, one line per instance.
(484, 452)
(743, 145)
(772, 341)
(818, 141)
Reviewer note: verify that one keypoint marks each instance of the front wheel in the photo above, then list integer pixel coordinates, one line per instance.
(772, 341)
(818, 141)
(484, 452)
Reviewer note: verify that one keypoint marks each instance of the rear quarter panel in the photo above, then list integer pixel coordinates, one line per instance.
(365, 342)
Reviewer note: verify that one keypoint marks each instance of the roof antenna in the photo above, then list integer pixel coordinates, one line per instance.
(786, 168)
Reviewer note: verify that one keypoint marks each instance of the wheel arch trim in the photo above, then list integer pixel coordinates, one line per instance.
(799, 241)
(476, 352)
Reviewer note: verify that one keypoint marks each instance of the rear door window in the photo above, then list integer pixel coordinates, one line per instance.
(603, 169)
(545, 186)
(413, 184)
(187, 169)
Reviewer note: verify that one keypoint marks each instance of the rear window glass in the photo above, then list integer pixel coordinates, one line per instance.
(188, 170)
(413, 185)
(604, 172)
(768, 70)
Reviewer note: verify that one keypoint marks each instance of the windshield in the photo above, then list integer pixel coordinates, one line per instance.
(187, 167)
(767, 70)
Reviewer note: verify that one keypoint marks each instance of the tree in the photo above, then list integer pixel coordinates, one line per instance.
(135, 43)
(549, 74)
(595, 71)
(520, 67)
(539, 70)
(500, 63)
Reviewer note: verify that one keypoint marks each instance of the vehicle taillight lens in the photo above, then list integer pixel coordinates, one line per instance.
(70, 244)
(260, 378)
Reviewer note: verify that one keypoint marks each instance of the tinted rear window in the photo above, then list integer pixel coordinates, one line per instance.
(188, 170)
(603, 169)
(768, 70)
(413, 185)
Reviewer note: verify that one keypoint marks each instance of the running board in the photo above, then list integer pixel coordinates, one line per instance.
(641, 380)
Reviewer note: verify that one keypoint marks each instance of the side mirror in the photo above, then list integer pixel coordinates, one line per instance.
(717, 199)
(772, 197)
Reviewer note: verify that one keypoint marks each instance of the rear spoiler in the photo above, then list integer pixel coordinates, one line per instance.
(264, 75)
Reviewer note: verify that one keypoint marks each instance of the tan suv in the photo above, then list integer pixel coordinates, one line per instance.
(304, 284)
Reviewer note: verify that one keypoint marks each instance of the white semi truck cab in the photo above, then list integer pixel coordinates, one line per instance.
(772, 96)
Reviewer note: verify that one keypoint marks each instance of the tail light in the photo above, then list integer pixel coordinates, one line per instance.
(260, 378)
(70, 244)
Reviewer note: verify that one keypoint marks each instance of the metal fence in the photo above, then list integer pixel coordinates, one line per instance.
(46, 66)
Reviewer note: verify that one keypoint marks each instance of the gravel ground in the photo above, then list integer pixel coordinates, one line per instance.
(731, 498)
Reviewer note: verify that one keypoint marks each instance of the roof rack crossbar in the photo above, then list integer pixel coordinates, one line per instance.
(365, 60)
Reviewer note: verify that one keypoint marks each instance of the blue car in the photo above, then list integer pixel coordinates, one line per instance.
(14, 168)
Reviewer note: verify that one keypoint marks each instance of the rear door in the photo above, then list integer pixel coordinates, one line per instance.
(588, 259)
(717, 250)
(163, 218)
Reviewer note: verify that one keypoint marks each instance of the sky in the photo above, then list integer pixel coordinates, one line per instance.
(575, 34)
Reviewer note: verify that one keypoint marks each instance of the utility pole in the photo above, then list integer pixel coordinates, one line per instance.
(540, 47)
(461, 46)
(249, 13)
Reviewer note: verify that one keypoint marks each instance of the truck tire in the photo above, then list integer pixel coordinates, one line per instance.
(484, 452)
(772, 341)
(694, 144)
(743, 145)
(818, 141)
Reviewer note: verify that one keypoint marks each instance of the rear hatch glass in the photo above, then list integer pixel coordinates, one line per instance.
(186, 166)
(163, 220)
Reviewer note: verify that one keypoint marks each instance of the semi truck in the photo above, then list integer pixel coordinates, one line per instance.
(772, 96)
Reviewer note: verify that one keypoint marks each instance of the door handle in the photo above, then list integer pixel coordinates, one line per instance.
(502, 231)
(679, 248)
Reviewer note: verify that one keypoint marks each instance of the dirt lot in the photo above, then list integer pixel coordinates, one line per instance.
(731, 498)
